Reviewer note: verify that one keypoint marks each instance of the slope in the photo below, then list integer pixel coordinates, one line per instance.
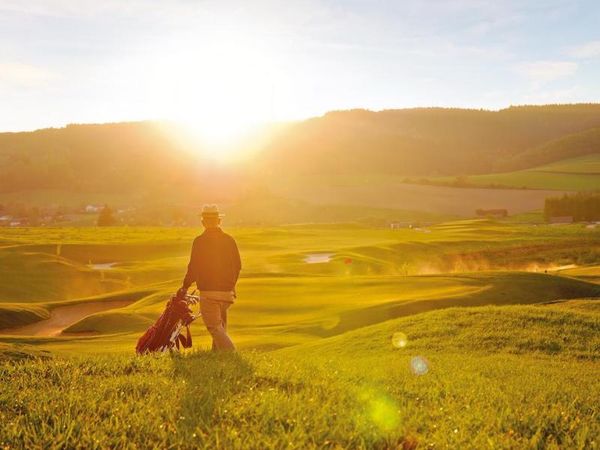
(498, 377)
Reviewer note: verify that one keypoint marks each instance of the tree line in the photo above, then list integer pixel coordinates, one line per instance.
(148, 159)
(582, 206)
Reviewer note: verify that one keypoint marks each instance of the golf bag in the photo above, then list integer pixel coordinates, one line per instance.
(166, 334)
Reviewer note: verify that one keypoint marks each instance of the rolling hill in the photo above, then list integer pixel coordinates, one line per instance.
(345, 165)
(572, 174)
(142, 156)
(434, 141)
(372, 275)
(493, 351)
(144, 162)
(499, 377)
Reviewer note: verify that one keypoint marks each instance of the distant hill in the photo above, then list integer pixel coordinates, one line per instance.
(435, 141)
(573, 174)
(147, 160)
(110, 157)
(573, 145)
(133, 158)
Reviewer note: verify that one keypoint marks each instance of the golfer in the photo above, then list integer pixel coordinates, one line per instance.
(214, 266)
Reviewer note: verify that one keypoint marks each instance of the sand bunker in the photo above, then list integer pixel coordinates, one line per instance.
(63, 317)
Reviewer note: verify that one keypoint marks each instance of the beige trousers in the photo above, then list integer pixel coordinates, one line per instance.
(213, 306)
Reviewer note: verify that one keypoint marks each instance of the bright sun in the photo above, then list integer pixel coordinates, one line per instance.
(219, 90)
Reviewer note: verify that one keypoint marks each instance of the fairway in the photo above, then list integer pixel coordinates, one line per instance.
(471, 299)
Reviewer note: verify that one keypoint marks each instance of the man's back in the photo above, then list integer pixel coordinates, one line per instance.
(215, 261)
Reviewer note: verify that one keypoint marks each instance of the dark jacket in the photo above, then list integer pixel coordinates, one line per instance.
(215, 262)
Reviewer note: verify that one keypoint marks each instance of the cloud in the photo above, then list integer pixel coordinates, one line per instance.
(585, 51)
(83, 8)
(24, 75)
(541, 72)
(571, 94)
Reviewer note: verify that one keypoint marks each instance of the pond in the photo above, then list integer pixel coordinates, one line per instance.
(318, 258)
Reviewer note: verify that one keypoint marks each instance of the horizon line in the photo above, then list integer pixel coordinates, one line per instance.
(292, 120)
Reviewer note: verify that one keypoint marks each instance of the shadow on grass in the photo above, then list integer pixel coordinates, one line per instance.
(210, 380)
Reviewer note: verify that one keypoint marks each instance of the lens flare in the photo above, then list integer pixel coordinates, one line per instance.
(379, 409)
(399, 340)
(419, 365)
(384, 413)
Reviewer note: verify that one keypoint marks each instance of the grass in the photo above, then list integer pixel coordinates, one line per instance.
(576, 174)
(394, 192)
(510, 338)
(511, 377)
(283, 300)
(589, 165)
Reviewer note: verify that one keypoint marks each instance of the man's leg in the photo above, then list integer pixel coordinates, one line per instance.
(224, 307)
(212, 317)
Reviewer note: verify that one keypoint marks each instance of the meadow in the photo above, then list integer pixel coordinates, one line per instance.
(394, 192)
(465, 334)
(573, 174)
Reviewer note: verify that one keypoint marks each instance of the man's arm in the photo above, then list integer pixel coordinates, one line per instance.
(236, 261)
(193, 267)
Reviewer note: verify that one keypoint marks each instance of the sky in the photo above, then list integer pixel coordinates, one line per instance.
(226, 65)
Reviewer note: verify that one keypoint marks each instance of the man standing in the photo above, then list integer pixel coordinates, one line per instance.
(215, 266)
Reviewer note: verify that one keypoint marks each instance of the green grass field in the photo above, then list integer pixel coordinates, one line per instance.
(395, 192)
(576, 174)
(503, 315)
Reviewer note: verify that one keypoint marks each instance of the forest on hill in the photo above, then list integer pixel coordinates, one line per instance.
(436, 141)
(107, 157)
(132, 158)
(142, 157)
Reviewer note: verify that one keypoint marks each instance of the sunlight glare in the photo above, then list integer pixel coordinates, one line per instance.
(220, 90)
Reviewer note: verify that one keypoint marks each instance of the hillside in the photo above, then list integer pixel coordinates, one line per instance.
(373, 274)
(430, 141)
(467, 378)
(151, 161)
(573, 174)
(455, 335)
(146, 161)
(566, 147)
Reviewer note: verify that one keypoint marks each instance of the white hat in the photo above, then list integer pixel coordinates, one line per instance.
(211, 211)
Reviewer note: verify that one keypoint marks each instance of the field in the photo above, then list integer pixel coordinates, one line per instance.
(392, 192)
(499, 345)
(576, 174)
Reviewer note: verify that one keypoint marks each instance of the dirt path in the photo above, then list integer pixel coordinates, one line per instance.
(63, 317)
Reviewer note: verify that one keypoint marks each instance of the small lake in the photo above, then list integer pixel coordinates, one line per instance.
(318, 258)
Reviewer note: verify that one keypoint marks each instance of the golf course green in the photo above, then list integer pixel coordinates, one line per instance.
(465, 334)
